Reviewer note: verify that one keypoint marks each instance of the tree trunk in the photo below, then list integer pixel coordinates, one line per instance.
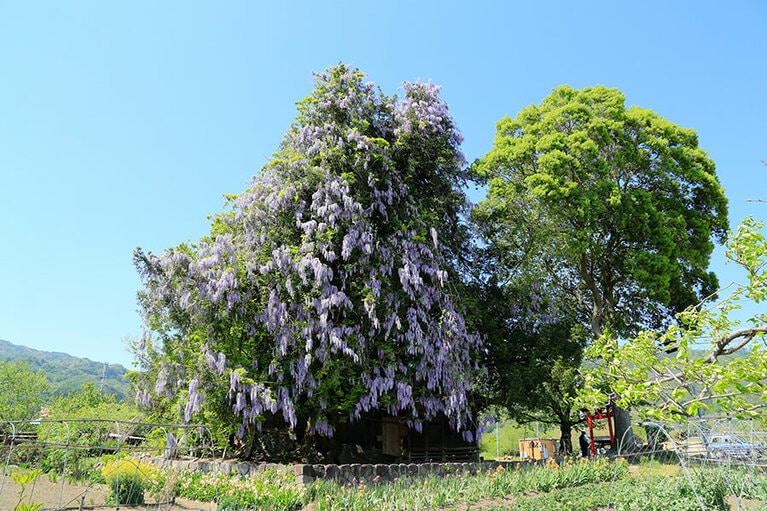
(625, 440)
(565, 438)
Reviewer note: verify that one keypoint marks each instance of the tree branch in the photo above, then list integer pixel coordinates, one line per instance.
(745, 334)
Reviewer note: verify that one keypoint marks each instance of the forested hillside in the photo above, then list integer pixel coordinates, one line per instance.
(66, 373)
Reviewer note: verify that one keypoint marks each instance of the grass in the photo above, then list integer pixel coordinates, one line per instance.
(510, 433)
(648, 467)
(524, 482)
(574, 485)
(272, 490)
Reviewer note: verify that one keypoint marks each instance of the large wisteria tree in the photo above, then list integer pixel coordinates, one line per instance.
(323, 292)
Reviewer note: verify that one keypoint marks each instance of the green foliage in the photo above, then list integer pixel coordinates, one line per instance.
(669, 493)
(28, 506)
(579, 498)
(533, 355)
(127, 478)
(611, 212)
(66, 427)
(270, 489)
(614, 207)
(23, 479)
(628, 494)
(199, 486)
(22, 391)
(574, 486)
(710, 360)
(463, 487)
(68, 374)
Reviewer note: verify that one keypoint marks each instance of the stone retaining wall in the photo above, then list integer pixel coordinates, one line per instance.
(342, 474)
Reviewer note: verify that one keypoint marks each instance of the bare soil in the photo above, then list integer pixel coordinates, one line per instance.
(57, 496)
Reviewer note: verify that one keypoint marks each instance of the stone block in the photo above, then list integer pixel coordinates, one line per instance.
(304, 480)
(303, 470)
(383, 472)
(332, 472)
(319, 471)
(345, 473)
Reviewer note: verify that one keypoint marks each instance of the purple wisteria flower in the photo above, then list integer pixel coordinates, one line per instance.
(323, 292)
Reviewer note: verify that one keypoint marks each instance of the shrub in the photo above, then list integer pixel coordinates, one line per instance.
(127, 478)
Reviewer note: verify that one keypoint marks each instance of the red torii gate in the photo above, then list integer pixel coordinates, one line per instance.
(607, 413)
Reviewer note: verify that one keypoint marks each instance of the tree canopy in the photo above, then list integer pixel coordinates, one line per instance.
(533, 362)
(614, 207)
(323, 291)
(23, 391)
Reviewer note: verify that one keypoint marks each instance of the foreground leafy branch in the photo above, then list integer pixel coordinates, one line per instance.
(711, 359)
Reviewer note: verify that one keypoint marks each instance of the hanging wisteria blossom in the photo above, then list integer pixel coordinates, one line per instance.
(322, 292)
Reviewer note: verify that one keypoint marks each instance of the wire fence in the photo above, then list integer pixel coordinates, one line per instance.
(723, 453)
(93, 463)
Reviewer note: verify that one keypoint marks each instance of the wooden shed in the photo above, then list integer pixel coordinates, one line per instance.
(394, 437)
(391, 437)
(538, 448)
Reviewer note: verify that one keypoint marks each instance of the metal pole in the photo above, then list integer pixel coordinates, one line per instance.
(497, 443)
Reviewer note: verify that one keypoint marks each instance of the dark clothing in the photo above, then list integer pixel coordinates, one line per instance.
(583, 440)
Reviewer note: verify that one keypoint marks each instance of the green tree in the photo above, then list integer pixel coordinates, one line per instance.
(322, 293)
(23, 391)
(85, 417)
(533, 355)
(614, 209)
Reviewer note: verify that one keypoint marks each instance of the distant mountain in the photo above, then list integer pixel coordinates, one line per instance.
(67, 373)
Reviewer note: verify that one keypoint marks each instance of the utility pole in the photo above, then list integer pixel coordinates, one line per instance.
(103, 377)
(497, 442)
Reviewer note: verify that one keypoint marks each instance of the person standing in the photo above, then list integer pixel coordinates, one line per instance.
(583, 440)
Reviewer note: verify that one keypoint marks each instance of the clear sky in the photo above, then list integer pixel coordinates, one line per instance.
(123, 124)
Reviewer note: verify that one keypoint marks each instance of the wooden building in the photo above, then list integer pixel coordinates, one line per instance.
(538, 448)
(394, 440)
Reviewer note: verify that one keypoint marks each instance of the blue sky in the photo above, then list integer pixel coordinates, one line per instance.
(124, 124)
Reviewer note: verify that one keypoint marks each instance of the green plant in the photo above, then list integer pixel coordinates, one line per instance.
(551, 484)
(28, 506)
(199, 486)
(274, 491)
(127, 479)
(23, 479)
(270, 489)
